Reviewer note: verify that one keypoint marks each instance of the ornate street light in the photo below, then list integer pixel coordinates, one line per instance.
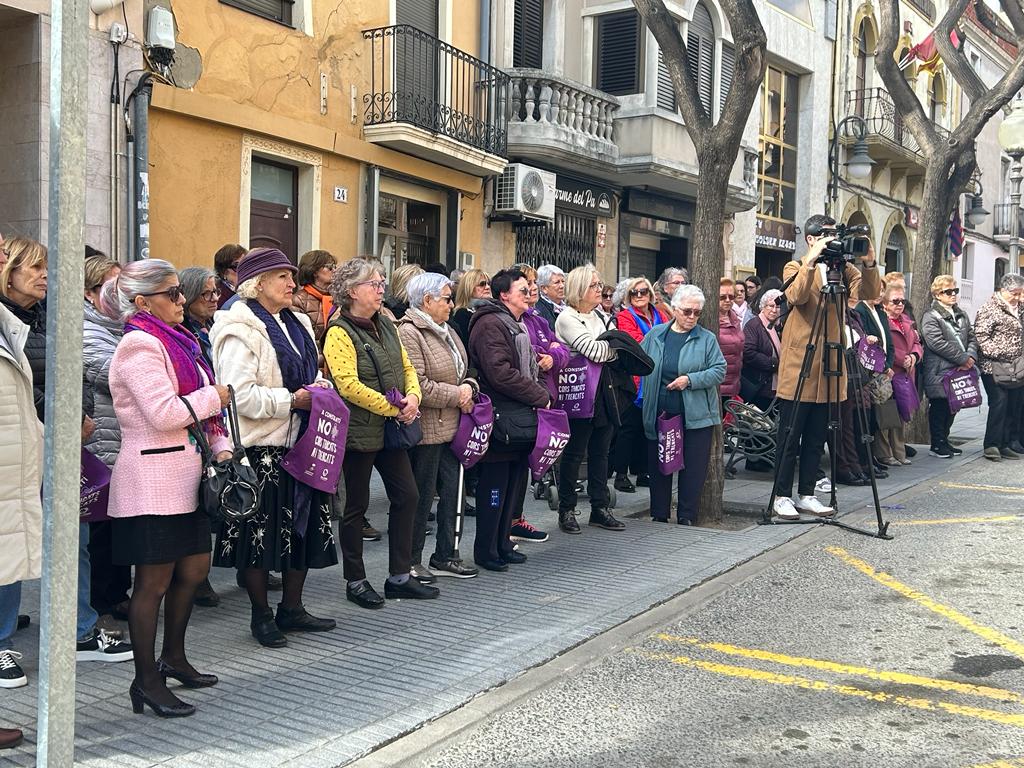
(1011, 139)
(860, 163)
(976, 213)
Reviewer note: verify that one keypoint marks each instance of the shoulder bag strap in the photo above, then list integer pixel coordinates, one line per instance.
(196, 430)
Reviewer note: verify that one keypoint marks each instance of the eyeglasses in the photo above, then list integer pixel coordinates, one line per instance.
(234, 264)
(210, 295)
(524, 291)
(951, 292)
(637, 292)
(377, 285)
(597, 286)
(899, 302)
(173, 293)
(687, 312)
(446, 299)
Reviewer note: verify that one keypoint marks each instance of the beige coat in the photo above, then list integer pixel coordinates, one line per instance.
(804, 297)
(21, 460)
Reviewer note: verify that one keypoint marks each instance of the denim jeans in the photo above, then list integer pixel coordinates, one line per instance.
(87, 616)
(435, 466)
(10, 603)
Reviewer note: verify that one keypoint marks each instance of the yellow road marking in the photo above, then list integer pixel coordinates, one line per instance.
(986, 633)
(999, 519)
(996, 488)
(808, 684)
(900, 678)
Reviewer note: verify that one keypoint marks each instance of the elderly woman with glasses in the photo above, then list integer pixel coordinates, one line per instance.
(365, 356)
(997, 328)
(578, 326)
(950, 345)
(199, 285)
(890, 445)
(688, 369)
(225, 264)
(730, 339)
(761, 350)
(473, 288)
(442, 367)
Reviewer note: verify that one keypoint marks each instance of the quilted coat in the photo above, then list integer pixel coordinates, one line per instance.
(948, 343)
(99, 340)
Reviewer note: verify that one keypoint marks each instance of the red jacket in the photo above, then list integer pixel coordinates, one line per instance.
(905, 341)
(730, 339)
(625, 321)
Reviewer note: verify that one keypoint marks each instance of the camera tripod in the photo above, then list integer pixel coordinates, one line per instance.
(834, 355)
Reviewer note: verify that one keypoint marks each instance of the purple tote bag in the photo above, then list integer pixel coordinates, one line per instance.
(577, 387)
(95, 489)
(474, 434)
(316, 457)
(904, 392)
(871, 356)
(962, 389)
(552, 437)
(670, 443)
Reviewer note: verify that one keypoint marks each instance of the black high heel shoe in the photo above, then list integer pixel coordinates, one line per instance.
(139, 698)
(198, 681)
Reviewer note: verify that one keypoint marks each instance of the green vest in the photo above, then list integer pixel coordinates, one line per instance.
(366, 429)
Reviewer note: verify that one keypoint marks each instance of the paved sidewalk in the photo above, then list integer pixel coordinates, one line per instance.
(329, 698)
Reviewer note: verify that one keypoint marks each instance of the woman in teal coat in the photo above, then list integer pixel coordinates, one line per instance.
(688, 369)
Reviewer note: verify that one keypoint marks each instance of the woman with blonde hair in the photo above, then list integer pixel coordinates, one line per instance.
(397, 302)
(473, 287)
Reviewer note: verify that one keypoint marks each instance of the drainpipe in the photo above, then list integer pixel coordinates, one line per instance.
(138, 158)
(485, 30)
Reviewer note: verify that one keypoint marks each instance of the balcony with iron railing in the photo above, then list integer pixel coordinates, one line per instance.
(560, 121)
(1002, 220)
(430, 99)
(887, 134)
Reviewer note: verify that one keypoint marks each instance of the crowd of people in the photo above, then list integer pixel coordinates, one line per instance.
(410, 353)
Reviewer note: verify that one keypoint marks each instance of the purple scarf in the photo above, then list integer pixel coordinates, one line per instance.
(186, 358)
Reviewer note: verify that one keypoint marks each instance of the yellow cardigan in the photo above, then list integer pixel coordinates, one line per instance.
(340, 354)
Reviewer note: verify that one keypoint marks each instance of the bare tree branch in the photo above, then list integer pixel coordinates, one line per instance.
(993, 100)
(954, 58)
(751, 45)
(1014, 11)
(903, 96)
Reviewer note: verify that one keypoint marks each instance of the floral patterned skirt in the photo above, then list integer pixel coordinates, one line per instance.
(268, 539)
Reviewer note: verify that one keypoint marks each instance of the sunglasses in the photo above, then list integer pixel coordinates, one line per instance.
(234, 264)
(483, 284)
(173, 293)
(637, 292)
(447, 299)
(607, 294)
(899, 302)
(377, 285)
(951, 292)
(687, 312)
(724, 296)
(210, 295)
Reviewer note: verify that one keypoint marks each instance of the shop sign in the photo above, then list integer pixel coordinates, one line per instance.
(584, 198)
(911, 216)
(778, 235)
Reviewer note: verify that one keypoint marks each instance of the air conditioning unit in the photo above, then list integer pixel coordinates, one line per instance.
(529, 192)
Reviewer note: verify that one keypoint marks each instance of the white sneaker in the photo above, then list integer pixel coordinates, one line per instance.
(823, 486)
(783, 507)
(812, 505)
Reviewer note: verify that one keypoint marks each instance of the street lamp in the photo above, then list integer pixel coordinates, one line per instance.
(860, 162)
(1011, 139)
(976, 213)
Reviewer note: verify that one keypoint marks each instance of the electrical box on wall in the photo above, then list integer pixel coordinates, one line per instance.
(160, 28)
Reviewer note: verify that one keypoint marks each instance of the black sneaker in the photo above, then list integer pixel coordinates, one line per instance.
(643, 481)
(514, 558)
(954, 450)
(911, 451)
(941, 452)
(11, 673)
(102, 647)
(369, 532)
(624, 484)
(523, 531)
(454, 568)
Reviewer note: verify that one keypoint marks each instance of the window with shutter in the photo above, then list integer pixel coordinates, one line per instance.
(421, 14)
(700, 49)
(666, 90)
(275, 10)
(728, 67)
(528, 34)
(416, 62)
(618, 52)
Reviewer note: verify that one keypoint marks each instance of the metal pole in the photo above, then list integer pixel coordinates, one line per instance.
(1015, 179)
(62, 450)
(140, 201)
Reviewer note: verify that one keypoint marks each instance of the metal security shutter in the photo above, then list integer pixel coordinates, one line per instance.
(666, 91)
(728, 67)
(278, 10)
(618, 53)
(700, 50)
(528, 34)
(568, 242)
(421, 14)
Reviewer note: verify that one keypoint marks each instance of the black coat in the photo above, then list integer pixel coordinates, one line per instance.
(617, 375)
(760, 359)
(546, 310)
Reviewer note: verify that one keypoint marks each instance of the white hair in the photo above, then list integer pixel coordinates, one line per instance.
(248, 289)
(687, 291)
(769, 297)
(546, 273)
(423, 285)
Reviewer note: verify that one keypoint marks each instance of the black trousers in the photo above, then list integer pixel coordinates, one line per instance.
(396, 472)
(435, 466)
(1004, 406)
(806, 440)
(592, 442)
(629, 449)
(499, 501)
(940, 421)
(696, 455)
(848, 459)
(109, 583)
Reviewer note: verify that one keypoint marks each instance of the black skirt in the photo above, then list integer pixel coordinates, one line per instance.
(157, 539)
(269, 540)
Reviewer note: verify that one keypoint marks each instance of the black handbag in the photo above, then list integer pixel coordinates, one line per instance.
(229, 490)
(397, 436)
(515, 425)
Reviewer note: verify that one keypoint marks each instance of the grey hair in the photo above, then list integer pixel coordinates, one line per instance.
(427, 284)
(193, 281)
(687, 291)
(1011, 282)
(667, 275)
(619, 296)
(117, 297)
(769, 297)
(546, 273)
(348, 274)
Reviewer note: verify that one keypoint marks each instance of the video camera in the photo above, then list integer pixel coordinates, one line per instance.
(850, 243)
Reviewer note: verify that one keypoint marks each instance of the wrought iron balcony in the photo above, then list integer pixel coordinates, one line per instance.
(884, 122)
(422, 82)
(1002, 219)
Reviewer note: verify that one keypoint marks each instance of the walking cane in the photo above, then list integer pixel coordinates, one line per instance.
(458, 511)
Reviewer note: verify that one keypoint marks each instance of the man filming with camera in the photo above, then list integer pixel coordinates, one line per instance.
(806, 414)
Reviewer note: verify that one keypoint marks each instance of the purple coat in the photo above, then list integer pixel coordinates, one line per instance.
(545, 343)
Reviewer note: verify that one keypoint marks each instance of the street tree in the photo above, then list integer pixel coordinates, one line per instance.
(717, 146)
(949, 161)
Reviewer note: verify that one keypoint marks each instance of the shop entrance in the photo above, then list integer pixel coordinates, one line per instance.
(408, 232)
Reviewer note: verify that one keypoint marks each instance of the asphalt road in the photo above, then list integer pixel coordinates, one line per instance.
(852, 652)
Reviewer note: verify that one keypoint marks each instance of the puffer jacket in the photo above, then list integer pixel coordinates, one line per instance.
(948, 343)
(731, 340)
(100, 337)
(21, 459)
(998, 331)
(439, 379)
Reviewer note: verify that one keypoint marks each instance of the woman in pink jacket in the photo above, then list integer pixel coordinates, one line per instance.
(154, 488)
(730, 339)
(890, 444)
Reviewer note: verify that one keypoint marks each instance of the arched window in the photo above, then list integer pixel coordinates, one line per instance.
(937, 98)
(865, 52)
